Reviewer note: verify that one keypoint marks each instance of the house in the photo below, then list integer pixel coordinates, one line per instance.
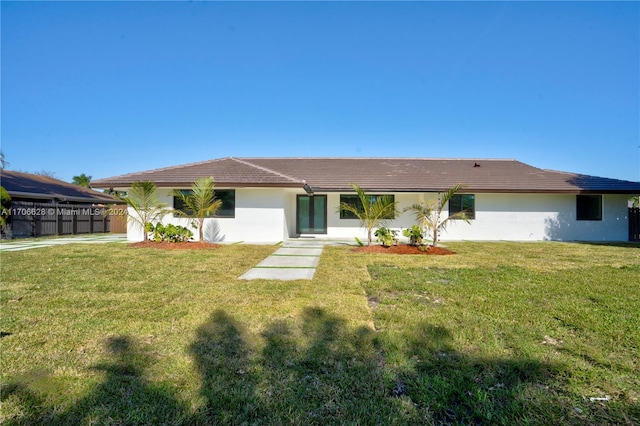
(45, 189)
(41, 205)
(272, 199)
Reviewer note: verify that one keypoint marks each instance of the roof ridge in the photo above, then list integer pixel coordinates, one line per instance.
(265, 169)
(381, 158)
(159, 169)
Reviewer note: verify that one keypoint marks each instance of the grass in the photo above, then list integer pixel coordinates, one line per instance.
(501, 333)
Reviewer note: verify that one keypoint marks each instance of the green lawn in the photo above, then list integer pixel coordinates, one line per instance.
(500, 333)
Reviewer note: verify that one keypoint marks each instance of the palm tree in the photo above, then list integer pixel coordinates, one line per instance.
(199, 203)
(374, 211)
(143, 199)
(82, 180)
(429, 213)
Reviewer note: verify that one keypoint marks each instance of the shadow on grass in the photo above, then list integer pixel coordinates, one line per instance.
(455, 388)
(124, 397)
(306, 373)
(310, 371)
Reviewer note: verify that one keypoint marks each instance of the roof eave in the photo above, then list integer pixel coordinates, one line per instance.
(188, 184)
(468, 190)
(60, 197)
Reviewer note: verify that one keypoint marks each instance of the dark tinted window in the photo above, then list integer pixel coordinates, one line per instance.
(589, 207)
(463, 202)
(228, 197)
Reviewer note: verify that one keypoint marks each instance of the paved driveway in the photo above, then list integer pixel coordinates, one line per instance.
(17, 244)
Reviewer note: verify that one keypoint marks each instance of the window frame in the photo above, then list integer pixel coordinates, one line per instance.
(344, 214)
(471, 211)
(585, 209)
(231, 209)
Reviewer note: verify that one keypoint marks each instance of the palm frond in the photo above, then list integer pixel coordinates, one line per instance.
(429, 214)
(143, 199)
(200, 202)
(375, 211)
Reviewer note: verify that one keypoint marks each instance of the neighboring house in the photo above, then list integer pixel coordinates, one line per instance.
(44, 189)
(271, 199)
(41, 205)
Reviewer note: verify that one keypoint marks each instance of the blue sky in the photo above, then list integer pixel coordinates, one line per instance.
(106, 88)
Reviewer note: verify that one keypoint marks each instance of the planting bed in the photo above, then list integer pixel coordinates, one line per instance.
(403, 249)
(166, 245)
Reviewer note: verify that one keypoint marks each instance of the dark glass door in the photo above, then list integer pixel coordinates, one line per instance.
(311, 214)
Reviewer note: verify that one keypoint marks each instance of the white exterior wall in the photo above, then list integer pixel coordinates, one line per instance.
(514, 217)
(350, 228)
(259, 218)
(268, 215)
(535, 217)
(290, 211)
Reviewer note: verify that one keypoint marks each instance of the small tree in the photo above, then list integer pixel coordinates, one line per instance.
(116, 193)
(429, 214)
(199, 203)
(46, 173)
(5, 210)
(373, 211)
(82, 180)
(143, 199)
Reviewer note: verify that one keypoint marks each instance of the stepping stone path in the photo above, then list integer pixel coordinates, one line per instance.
(295, 260)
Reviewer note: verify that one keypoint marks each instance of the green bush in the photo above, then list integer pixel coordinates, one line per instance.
(387, 236)
(414, 234)
(170, 232)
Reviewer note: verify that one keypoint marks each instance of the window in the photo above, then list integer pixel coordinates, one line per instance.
(463, 202)
(589, 207)
(354, 200)
(227, 209)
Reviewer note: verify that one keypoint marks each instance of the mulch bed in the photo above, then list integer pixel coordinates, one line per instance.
(403, 249)
(166, 245)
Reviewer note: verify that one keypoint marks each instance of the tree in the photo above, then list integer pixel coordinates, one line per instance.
(373, 211)
(143, 199)
(115, 193)
(429, 214)
(3, 163)
(46, 173)
(82, 180)
(199, 203)
(4, 206)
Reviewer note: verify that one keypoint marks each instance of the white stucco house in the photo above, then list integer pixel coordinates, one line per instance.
(272, 199)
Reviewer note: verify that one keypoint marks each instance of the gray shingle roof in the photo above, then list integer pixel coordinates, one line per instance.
(377, 174)
(26, 185)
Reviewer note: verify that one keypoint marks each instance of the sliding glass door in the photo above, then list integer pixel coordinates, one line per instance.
(311, 214)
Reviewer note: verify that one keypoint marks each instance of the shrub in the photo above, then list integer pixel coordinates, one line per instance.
(387, 236)
(170, 232)
(414, 234)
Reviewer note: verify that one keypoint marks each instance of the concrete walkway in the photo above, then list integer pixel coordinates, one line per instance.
(295, 260)
(18, 244)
